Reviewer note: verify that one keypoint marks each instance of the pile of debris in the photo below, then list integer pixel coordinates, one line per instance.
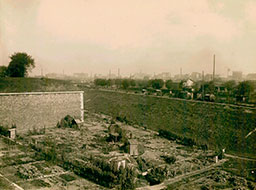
(67, 122)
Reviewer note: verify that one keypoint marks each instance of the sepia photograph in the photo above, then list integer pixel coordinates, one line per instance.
(127, 94)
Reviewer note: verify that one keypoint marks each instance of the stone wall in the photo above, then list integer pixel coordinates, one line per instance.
(39, 109)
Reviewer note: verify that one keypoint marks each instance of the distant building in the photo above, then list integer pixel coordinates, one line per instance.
(81, 75)
(141, 76)
(208, 77)
(180, 77)
(55, 76)
(196, 76)
(237, 75)
(251, 76)
(164, 76)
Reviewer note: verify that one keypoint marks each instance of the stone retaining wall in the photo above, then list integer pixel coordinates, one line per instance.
(39, 109)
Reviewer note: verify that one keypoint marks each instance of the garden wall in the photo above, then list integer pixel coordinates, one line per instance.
(217, 125)
(39, 109)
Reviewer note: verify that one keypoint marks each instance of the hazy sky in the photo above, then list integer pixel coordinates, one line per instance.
(133, 35)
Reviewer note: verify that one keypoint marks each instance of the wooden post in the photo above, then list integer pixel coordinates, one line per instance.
(82, 106)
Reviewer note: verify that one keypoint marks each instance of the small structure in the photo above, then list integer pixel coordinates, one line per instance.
(133, 147)
(216, 159)
(12, 133)
(119, 161)
(188, 83)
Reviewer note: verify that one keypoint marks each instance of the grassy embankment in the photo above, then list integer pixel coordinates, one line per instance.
(218, 126)
(34, 85)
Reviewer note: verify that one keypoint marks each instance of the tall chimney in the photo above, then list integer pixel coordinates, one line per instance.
(213, 74)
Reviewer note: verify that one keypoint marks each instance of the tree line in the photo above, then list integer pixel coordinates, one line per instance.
(129, 83)
(241, 91)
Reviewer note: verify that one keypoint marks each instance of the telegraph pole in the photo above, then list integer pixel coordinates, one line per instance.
(109, 74)
(203, 85)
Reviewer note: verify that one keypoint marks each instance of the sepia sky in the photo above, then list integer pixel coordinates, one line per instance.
(95, 36)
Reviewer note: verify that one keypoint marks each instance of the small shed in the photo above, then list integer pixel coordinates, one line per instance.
(12, 133)
(133, 148)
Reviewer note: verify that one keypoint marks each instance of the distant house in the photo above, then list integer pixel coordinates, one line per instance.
(251, 76)
(188, 83)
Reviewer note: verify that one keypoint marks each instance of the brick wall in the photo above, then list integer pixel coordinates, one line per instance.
(39, 109)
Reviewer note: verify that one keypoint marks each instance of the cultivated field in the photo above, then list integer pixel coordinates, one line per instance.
(214, 125)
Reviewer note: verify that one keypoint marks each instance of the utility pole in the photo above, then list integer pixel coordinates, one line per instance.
(202, 85)
(109, 75)
(228, 72)
(213, 73)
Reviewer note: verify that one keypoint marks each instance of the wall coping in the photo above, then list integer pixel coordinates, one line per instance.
(40, 93)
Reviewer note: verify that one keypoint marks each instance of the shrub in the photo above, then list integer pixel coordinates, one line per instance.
(142, 164)
(67, 177)
(156, 175)
(67, 122)
(167, 134)
(4, 131)
(169, 159)
(126, 179)
(40, 183)
(188, 141)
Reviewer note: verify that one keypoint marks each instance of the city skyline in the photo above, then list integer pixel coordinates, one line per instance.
(153, 37)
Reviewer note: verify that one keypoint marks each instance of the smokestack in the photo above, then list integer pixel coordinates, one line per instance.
(109, 74)
(213, 74)
(180, 72)
(118, 72)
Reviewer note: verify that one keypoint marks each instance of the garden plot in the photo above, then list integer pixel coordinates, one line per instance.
(12, 154)
(21, 165)
(156, 149)
(91, 140)
(213, 179)
(66, 180)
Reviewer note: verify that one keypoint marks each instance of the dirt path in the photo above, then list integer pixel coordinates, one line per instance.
(14, 185)
(240, 158)
(181, 177)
